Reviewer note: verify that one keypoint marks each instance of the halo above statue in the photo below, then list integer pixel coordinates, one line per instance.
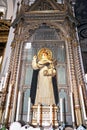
(45, 53)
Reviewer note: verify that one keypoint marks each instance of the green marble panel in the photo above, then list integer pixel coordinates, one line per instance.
(61, 75)
(61, 54)
(28, 75)
(25, 101)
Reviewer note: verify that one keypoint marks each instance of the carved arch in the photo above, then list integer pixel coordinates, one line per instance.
(32, 27)
(50, 5)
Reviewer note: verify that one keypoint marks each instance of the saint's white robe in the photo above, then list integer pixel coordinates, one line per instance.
(44, 92)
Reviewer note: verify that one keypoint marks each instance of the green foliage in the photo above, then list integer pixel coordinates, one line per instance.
(3, 127)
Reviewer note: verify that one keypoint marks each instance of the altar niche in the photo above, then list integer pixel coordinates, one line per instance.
(49, 38)
(44, 92)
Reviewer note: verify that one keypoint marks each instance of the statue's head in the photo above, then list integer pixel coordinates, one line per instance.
(44, 56)
(44, 53)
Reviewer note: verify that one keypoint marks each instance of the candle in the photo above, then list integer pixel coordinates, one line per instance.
(82, 101)
(61, 109)
(50, 114)
(72, 107)
(18, 105)
(8, 101)
(38, 114)
(29, 106)
(85, 78)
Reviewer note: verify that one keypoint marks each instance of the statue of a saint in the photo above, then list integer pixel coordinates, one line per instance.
(44, 86)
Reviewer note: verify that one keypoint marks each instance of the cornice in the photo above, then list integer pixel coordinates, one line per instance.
(39, 15)
(45, 15)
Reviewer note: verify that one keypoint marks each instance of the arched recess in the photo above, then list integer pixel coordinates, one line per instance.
(31, 27)
(53, 41)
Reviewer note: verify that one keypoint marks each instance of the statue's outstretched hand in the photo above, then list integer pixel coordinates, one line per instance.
(35, 57)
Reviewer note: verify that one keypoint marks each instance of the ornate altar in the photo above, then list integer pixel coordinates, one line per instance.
(44, 115)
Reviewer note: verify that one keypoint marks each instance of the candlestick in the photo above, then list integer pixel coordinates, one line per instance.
(72, 107)
(8, 101)
(18, 105)
(61, 109)
(50, 114)
(38, 114)
(29, 106)
(82, 101)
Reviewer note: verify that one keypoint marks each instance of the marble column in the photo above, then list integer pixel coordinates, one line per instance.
(61, 110)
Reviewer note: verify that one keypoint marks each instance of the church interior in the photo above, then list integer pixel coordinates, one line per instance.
(43, 64)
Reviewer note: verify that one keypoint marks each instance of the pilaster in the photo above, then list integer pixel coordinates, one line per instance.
(74, 84)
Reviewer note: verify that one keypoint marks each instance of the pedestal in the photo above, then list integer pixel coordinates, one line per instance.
(45, 114)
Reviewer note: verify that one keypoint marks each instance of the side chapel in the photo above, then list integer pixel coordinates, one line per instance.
(48, 24)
